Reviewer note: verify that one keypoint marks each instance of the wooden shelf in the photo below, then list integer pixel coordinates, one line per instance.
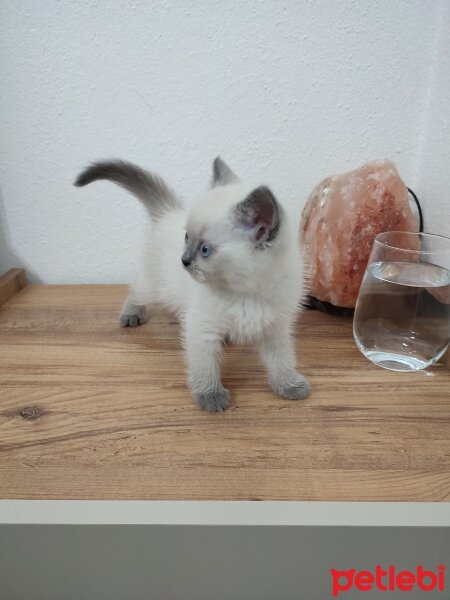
(92, 411)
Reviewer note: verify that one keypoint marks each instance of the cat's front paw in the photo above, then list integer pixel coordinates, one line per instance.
(214, 400)
(133, 316)
(295, 388)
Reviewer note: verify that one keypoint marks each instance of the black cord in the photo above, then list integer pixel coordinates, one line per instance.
(419, 208)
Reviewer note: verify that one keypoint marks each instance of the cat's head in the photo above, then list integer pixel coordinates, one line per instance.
(232, 233)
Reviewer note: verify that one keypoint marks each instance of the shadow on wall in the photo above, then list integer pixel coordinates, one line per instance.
(8, 258)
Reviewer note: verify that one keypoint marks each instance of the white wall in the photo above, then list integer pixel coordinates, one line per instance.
(286, 91)
(433, 156)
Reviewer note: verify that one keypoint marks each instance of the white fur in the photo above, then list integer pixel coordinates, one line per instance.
(240, 292)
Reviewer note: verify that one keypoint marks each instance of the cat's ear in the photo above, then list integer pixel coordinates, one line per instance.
(260, 214)
(222, 174)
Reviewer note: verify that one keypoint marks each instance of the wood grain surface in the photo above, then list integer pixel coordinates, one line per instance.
(90, 410)
(11, 283)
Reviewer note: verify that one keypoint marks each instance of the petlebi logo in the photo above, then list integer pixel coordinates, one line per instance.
(387, 579)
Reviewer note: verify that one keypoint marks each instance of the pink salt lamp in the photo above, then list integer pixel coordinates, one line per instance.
(341, 217)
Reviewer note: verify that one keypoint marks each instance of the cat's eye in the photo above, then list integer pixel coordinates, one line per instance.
(205, 250)
(186, 237)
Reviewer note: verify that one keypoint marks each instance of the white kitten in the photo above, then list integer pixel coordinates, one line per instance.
(230, 268)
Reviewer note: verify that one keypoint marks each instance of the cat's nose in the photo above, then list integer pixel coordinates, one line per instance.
(186, 259)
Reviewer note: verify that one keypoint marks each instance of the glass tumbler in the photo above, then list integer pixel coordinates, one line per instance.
(402, 315)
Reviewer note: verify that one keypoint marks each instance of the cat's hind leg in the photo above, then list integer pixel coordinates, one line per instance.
(134, 312)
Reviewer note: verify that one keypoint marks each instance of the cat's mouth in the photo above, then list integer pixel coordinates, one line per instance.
(196, 273)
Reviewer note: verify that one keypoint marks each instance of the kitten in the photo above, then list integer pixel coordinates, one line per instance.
(230, 267)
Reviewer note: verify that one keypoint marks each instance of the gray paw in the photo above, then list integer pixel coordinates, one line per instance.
(214, 401)
(296, 388)
(133, 316)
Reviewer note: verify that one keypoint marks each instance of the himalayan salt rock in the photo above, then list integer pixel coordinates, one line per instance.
(341, 217)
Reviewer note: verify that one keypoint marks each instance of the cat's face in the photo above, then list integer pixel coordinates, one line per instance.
(229, 234)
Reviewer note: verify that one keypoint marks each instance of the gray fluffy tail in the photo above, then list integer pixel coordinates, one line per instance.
(150, 189)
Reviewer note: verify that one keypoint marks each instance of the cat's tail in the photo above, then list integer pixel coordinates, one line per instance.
(150, 189)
